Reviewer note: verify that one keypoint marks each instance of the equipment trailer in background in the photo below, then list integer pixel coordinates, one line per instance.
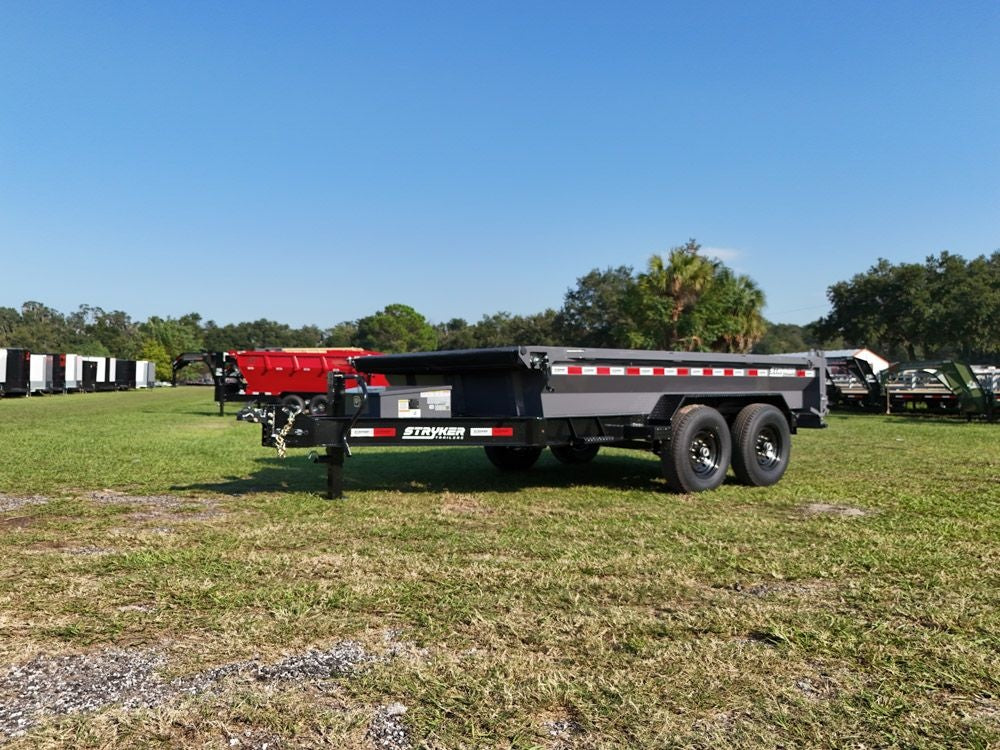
(701, 413)
(292, 377)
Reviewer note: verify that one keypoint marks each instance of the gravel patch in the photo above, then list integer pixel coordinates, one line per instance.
(160, 507)
(763, 590)
(8, 502)
(387, 731)
(847, 511)
(113, 497)
(817, 688)
(81, 683)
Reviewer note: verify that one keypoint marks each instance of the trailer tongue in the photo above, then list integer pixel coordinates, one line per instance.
(702, 413)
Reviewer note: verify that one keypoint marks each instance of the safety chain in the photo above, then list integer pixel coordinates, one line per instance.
(279, 437)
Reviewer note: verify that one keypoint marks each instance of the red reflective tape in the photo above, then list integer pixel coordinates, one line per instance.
(659, 371)
(800, 373)
(384, 432)
(752, 373)
(503, 432)
(603, 370)
(707, 371)
(683, 371)
(728, 373)
(631, 370)
(574, 371)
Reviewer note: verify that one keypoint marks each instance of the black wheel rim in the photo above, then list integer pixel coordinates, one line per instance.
(705, 453)
(767, 448)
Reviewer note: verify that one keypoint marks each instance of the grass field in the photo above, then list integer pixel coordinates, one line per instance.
(855, 604)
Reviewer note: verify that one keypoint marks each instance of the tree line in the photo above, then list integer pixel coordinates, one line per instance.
(682, 300)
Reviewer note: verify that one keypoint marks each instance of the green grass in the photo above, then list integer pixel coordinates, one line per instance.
(729, 619)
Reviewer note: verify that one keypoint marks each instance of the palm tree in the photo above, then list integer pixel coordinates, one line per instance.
(675, 285)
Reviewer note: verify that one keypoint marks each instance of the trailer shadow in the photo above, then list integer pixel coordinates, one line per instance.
(438, 470)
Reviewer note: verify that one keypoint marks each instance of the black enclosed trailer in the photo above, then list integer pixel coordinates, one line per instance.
(58, 382)
(702, 413)
(15, 365)
(125, 375)
(88, 374)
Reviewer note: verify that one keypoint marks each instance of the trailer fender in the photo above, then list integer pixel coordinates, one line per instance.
(728, 405)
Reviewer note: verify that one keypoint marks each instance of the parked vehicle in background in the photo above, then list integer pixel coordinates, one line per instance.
(295, 377)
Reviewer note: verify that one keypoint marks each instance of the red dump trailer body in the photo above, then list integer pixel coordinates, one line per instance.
(278, 373)
(296, 377)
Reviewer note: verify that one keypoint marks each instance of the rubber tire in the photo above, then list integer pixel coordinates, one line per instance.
(746, 427)
(675, 461)
(569, 454)
(512, 458)
(317, 405)
(292, 400)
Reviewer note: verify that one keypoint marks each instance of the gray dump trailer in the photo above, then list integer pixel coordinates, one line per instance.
(701, 413)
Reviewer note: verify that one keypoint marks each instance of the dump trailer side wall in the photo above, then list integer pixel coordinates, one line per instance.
(571, 382)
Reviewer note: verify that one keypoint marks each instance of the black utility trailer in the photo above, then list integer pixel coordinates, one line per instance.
(702, 413)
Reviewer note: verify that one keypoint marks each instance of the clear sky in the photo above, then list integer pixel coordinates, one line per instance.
(313, 162)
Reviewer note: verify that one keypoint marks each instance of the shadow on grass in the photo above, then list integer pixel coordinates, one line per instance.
(437, 470)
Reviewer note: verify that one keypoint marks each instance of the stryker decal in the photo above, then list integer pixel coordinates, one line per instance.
(434, 433)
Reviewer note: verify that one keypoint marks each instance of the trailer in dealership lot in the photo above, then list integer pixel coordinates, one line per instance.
(14, 367)
(701, 413)
(293, 377)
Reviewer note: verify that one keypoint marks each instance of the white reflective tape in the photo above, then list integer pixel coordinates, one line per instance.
(560, 370)
(589, 371)
(617, 370)
(481, 431)
(362, 432)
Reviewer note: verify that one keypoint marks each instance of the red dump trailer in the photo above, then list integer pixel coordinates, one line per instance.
(294, 377)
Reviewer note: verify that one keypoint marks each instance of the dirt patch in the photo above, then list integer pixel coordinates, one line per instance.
(67, 548)
(847, 511)
(8, 502)
(20, 522)
(82, 683)
(453, 504)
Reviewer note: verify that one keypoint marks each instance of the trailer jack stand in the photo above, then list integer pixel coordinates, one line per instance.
(334, 472)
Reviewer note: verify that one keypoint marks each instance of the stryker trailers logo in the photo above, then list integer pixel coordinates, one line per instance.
(434, 433)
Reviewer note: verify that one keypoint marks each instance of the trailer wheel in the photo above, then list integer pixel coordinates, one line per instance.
(317, 405)
(292, 400)
(699, 452)
(570, 454)
(512, 458)
(762, 445)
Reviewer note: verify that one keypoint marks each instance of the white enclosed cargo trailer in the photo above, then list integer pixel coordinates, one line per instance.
(40, 373)
(142, 370)
(74, 372)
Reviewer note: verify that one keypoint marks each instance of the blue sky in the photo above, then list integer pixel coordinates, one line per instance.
(312, 163)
